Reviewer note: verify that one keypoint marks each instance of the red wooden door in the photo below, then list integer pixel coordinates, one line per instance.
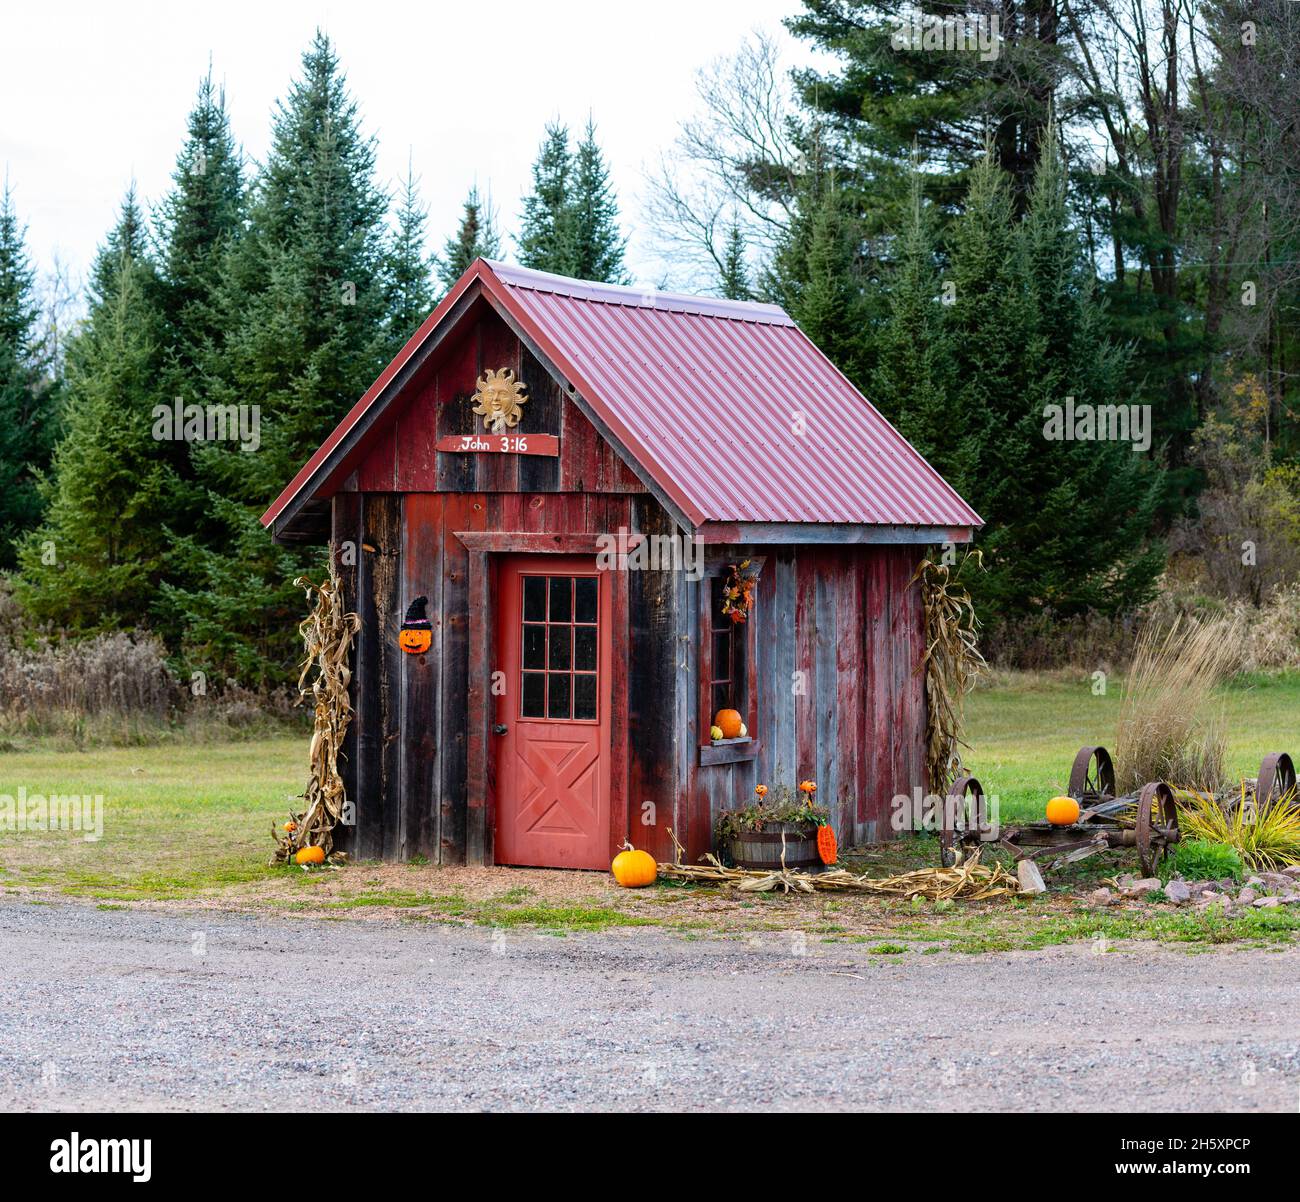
(552, 729)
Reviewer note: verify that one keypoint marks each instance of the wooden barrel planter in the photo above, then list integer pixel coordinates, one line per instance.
(762, 849)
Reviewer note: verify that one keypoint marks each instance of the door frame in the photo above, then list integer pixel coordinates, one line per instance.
(486, 549)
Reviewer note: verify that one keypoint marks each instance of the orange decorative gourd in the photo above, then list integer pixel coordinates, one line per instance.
(633, 869)
(827, 848)
(310, 855)
(1062, 811)
(728, 721)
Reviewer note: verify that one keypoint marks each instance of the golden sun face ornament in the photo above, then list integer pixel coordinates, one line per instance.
(498, 400)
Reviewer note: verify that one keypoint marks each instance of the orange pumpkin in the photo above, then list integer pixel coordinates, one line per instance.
(827, 848)
(1062, 811)
(729, 722)
(310, 855)
(634, 869)
(415, 641)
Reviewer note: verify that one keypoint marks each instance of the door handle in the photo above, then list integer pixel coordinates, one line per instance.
(500, 729)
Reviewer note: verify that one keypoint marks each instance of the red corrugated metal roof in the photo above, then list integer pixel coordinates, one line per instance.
(729, 407)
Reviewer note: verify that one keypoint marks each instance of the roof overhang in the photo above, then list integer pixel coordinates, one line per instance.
(759, 533)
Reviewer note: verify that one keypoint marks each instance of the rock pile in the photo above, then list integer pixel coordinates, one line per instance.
(1263, 891)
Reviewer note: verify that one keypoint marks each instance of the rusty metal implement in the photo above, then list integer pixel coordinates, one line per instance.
(1147, 820)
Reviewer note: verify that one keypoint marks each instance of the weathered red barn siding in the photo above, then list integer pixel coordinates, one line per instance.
(404, 460)
(418, 758)
(408, 754)
(847, 620)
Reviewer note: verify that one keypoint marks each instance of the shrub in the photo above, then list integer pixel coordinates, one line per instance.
(56, 687)
(1265, 837)
(118, 688)
(1198, 860)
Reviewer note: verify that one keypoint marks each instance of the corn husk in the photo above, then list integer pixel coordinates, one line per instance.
(952, 663)
(327, 634)
(969, 880)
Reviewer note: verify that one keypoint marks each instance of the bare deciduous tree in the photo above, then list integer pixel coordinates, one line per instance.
(735, 164)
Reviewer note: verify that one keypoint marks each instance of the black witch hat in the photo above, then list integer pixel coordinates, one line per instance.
(417, 617)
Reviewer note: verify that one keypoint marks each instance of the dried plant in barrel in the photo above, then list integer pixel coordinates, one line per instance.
(327, 635)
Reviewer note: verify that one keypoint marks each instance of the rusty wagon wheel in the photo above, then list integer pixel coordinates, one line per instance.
(1152, 839)
(1276, 778)
(956, 821)
(1093, 774)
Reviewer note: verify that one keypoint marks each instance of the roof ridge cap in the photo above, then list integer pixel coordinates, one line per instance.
(624, 296)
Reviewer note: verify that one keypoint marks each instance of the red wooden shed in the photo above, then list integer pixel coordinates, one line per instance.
(568, 472)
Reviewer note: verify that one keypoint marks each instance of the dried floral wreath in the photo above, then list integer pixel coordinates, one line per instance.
(738, 593)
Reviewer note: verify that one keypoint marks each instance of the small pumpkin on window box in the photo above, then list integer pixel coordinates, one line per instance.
(738, 593)
(729, 722)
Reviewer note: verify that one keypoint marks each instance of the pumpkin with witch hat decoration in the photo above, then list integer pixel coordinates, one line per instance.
(417, 634)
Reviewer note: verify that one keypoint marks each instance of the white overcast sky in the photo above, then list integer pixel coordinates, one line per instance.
(94, 95)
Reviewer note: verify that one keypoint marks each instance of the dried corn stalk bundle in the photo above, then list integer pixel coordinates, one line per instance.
(952, 662)
(968, 881)
(327, 635)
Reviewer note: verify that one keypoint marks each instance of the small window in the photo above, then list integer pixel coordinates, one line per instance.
(560, 661)
(727, 651)
(728, 654)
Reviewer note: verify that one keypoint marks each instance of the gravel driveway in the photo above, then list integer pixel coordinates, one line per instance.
(156, 1009)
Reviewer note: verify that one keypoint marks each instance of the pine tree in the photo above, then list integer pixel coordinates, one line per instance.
(571, 217)
(1068, 522)
(306, 298)
(125, 254)
(410, 268)
(200, 221)
(897, 85)
(733, 276)
(818, 275)
(546, 242)
(598, 245)
(477, 238)
(97, 558)
(28, 396)
(913, 383)
(305, 294)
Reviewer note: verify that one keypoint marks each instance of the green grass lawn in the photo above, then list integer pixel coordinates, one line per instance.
(187, 820)
(176, 816)
(1024, 738)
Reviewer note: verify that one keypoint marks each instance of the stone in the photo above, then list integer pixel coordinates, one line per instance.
(1099, 897)
(1254, 881)
(1292, 870)
(1141, 888)
(1030, 877)
(1267, 903)
(1247, 896)
(1278, 881)
(1178, 892)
